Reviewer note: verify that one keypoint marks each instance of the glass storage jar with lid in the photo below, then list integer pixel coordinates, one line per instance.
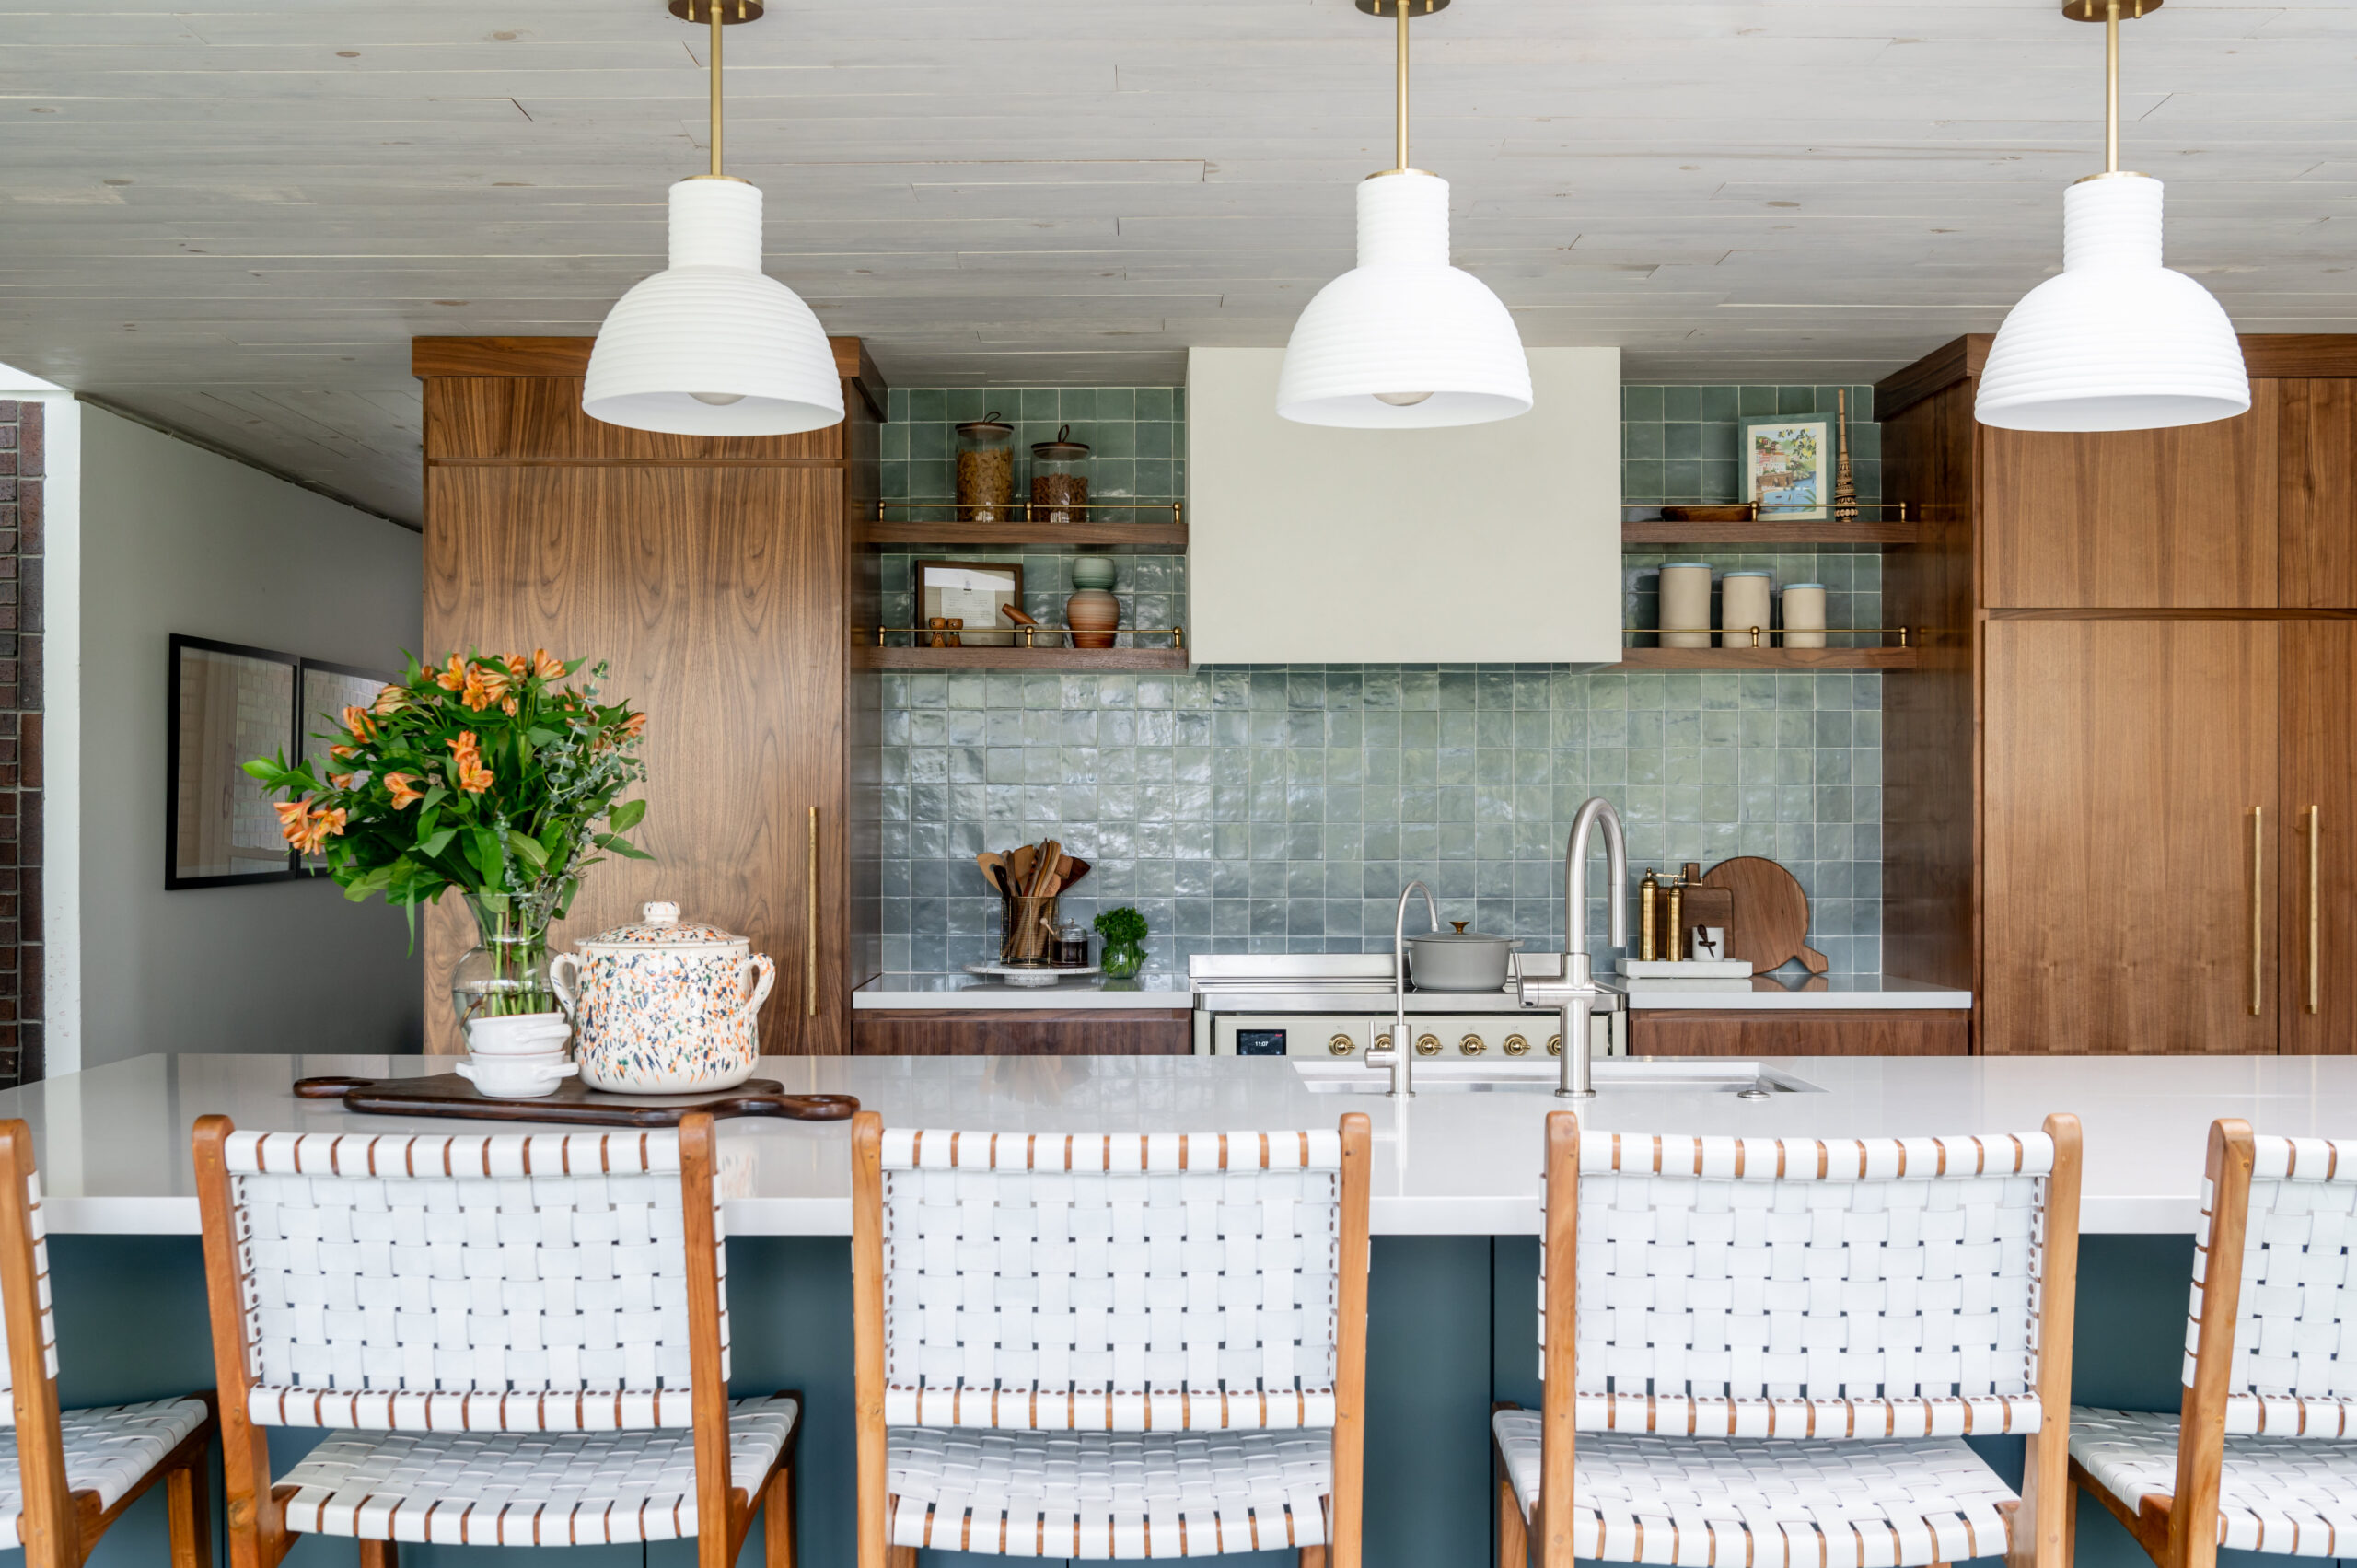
(985, 470)
(1060, 480)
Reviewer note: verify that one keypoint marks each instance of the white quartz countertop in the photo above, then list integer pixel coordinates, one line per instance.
(113, 1142)
(1807, 994)
(905, 992)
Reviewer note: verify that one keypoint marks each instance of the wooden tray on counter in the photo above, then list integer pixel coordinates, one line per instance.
(447, 1094)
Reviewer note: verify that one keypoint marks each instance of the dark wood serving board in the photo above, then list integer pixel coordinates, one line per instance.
(1771, 914)
(447, 1094)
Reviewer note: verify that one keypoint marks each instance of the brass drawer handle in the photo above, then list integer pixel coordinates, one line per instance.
(810, 927)
(2257, 909)
(2315, 940)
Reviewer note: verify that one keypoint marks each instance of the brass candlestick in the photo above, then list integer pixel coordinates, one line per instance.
(1845, 484)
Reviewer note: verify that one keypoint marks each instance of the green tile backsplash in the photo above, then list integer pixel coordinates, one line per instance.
(1282, 809)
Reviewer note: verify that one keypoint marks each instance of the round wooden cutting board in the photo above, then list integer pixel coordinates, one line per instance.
(1770, 914)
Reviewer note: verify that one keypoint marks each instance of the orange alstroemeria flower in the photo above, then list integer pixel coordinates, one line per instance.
(342, 781)
(483, 687)
(293, 819)
(473, 777)
(404, 790)
(390, 701)
(342, 752)
(633, 726)
(357, 721)
(322, 826)
(452, 676)
(545, 667)
(509, 708)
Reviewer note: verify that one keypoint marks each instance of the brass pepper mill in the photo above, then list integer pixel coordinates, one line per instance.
(1677, 945)
(1645, 891)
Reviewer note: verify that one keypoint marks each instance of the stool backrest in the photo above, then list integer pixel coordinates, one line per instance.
(1842, 1288)
(2290, 1216)
(1113, 1282)
(35, 1287)
(509, 1282)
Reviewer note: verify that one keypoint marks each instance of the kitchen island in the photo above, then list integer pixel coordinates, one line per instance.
(1455, 1213)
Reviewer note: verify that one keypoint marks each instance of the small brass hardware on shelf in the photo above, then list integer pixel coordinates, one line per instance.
(1902, 633)
(1020, 511)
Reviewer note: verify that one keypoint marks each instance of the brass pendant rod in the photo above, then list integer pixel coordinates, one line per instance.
(2110, 87)
(712, 9)
(1400, 10)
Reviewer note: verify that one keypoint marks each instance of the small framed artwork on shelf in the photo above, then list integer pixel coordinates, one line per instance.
(327, 690)
(971, 591)
(229, 703)
(1787, 461)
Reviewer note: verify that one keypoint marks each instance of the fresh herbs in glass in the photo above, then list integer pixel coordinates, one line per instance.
(1124, 933)
(494, 775)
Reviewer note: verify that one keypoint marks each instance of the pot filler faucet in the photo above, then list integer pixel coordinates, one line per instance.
(1402, 1057)
(1577, 989)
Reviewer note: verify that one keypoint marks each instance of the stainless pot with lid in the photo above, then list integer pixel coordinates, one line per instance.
(1458, 960)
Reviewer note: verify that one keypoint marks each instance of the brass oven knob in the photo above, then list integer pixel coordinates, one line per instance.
(1340, 1045)
(1554, 1045)
(1517, 1046)
(1472, 1045)
(1382, 1042)
(1428, 1045)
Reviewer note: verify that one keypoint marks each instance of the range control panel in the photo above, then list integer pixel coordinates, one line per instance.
(1341, 1035)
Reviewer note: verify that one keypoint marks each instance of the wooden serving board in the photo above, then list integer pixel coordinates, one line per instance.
(447, 1094)
(1771, 925)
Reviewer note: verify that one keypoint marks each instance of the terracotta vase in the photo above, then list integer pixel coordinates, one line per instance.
(1092, 613)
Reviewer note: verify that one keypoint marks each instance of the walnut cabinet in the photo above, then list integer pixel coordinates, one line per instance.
(2121, 790)
(717, 580)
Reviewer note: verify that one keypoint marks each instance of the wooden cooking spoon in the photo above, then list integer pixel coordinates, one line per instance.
(1018, 866)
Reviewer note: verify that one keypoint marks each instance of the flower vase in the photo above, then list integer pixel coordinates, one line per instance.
(1122, 960)
(505, 974)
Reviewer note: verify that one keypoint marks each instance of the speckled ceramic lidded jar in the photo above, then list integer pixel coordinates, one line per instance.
(663, 1006)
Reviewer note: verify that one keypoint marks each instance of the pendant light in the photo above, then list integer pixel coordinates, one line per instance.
(1403, 340)
(2114, 341)
(710, 346)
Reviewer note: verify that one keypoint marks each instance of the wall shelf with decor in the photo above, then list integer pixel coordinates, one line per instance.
(1133, 528)
(1659, 523)
(1072, 659)
(1797, 661)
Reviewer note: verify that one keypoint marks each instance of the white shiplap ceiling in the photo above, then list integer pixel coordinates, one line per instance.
(231, 215)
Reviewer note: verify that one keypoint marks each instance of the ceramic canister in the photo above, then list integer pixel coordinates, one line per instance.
(1742, 604)
(1803, 615)
(1686, 602)
(663, 1006)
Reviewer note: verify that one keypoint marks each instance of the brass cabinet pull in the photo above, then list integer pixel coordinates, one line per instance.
(2257, 908)
(810, 927)
(2316, 942)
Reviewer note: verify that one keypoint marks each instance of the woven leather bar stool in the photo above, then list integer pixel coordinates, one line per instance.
(1109, 1346)
(1770, 1351)
(67, 1476)
(523, 1339)
(2265, 1440)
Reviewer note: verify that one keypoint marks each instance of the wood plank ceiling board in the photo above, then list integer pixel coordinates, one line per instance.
(231, 215)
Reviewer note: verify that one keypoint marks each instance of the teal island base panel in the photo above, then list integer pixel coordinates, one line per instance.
(1453, 1325)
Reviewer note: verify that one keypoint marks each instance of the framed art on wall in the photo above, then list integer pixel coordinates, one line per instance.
(1787, 464)
(971, 590)
(229, 703)
(326, 690)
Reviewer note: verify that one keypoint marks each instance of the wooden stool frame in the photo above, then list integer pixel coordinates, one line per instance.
(258, 1534)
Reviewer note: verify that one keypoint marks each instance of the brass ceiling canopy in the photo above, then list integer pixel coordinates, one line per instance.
(2100, 10)
(735, 11)
(1416, 8)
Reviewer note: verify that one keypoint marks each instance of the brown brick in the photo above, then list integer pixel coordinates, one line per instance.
(29, 441)
(29, 758)
(31, 1062)
(29, 832)
(35, 986)
(28, 515)
(28, 569)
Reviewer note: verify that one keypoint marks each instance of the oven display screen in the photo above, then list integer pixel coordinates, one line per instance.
(1259, 1042)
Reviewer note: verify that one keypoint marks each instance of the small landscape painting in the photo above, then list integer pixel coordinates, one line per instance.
(1786, 461)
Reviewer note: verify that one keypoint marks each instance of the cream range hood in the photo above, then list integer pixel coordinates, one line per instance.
(1483, 543)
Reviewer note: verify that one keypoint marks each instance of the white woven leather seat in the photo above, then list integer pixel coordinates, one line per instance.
(1124, 1346)
(556, 1489)
(1769, 1503)
(1096, 1494)
(1778, 1346)
(2274, 1493)
(109, 1449)
(512, 1334)
(2270, 1368)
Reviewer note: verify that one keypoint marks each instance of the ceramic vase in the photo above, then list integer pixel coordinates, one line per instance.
(1093, 612)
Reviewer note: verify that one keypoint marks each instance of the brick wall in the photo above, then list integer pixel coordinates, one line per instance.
(20, 740)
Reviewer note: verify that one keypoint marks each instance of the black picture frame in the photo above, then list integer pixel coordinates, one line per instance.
(256, 736)
(309, 714)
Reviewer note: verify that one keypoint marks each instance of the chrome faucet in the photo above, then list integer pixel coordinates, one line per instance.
(1576, 992)
(1401, 1056)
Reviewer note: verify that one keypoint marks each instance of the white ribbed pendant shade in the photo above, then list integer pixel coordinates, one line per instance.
(1402, 322)
(711, 323)
(2114, 341)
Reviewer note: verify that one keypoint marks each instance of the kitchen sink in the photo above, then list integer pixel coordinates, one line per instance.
(1752, 1080)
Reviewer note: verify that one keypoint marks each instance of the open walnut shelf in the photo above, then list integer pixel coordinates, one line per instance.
(1795, 659)
(1650, 532)
(1092, 659)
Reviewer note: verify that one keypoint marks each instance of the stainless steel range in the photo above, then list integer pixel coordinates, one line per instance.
(1340, 1004)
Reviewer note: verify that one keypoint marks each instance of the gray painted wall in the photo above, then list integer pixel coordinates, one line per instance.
(175, 539)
